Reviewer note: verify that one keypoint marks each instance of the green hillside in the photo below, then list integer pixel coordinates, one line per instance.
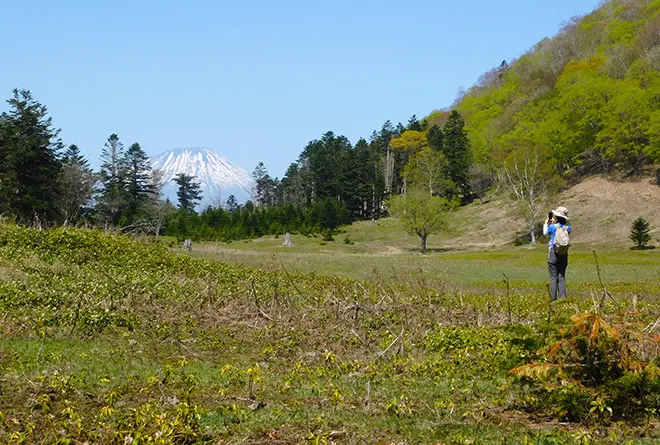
(587, 99)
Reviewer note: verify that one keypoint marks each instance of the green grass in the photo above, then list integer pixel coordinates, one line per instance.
(106, 340)
(385, 257)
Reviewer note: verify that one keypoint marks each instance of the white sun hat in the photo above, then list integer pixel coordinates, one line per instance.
(561, 212)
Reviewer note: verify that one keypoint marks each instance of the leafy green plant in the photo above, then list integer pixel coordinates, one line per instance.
(107, 340)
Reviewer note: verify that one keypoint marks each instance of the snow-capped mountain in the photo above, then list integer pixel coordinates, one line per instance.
(218, 177)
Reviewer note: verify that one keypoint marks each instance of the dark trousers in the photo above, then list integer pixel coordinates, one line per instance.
(557, 267)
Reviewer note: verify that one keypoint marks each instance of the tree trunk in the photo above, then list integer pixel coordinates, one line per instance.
(423, 240)
(531, 234)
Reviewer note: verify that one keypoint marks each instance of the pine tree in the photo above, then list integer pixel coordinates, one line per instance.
(264, 193)
(77, 184)
(436, 138)
(7, 174)
(112, 197)
(290, 190)
(414, 124)
(138, 180)
(640, 232)
(457, 151)
(29, 164)
(231, 204)
(323, 161)
(189, 192)
(358, 180)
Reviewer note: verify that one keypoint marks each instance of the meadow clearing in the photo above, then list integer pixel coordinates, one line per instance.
(108, 340)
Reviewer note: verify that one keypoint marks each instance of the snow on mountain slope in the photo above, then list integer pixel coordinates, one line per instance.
(217, 176)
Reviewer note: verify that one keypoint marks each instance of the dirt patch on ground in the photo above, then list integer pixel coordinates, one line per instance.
(601, 211)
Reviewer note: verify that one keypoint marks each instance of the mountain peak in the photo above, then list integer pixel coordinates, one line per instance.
(217, 176)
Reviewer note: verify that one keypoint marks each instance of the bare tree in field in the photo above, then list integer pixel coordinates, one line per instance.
(77, 184)
(530, 174)
(158, 211)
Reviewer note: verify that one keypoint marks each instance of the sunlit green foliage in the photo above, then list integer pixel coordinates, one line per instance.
(590, 94)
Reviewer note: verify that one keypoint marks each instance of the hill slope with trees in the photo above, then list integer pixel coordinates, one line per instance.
(584, 102)
(589, 98)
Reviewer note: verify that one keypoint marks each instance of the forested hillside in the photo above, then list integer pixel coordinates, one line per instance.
(589, 98)
(585, 101)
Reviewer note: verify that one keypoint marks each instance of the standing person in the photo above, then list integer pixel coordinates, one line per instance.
(557, 227)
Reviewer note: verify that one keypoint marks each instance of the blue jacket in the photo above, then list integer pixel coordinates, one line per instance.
(551, 230)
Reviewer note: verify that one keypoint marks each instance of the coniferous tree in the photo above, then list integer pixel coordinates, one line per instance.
(640, 232)
(290, 189)
(456, 147)
(7, 175)
(29, 164)
(231, 204)
(323, 161)
(265, 186)
(112, 196)
(138, 181)
(414, 124)
(358, 180)
(189, 192)
(77, 184)
(380, 141)
(436, 138)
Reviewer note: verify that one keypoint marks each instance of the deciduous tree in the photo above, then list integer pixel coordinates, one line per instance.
(77, 184)
(530, 174)
(421, 214)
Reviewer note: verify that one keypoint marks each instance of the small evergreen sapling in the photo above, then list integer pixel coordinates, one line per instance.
(639, 232)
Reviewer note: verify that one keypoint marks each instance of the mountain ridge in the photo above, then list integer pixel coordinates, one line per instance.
(218, 177)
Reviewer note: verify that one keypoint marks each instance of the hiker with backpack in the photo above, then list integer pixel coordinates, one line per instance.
(557, 227)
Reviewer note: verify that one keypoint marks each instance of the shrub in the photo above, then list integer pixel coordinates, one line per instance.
(597, 363)
(523, 237)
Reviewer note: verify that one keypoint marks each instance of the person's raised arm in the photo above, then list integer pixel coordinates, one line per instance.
(546, 223)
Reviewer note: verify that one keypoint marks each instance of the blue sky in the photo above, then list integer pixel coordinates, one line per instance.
(256, 80)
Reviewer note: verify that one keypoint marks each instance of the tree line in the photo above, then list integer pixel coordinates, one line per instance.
(44, 182)
(583, 102)
(363, 175)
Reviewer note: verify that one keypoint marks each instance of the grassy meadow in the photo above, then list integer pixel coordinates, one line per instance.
(382, 252)
(109, 340)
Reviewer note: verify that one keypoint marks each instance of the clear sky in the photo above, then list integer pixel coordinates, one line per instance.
(256, 80)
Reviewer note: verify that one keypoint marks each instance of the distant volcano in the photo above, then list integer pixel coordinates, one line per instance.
(218, 177)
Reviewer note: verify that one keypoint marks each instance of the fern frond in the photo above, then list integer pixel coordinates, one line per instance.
(536, 371)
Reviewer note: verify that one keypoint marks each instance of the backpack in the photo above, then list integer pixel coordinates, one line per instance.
(562, 240)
